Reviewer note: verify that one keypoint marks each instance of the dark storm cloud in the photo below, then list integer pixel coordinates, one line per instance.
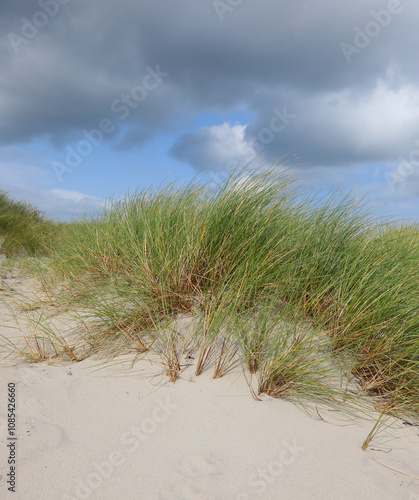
(256, 56)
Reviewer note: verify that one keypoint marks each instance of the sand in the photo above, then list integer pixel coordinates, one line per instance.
(126, 432)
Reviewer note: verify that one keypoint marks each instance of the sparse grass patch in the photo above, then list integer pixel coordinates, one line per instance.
(44, 342)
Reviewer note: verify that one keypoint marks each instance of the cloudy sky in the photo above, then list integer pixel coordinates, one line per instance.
(99, 97)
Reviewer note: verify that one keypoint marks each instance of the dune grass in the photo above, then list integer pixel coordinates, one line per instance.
(23, 229)
(295, 288)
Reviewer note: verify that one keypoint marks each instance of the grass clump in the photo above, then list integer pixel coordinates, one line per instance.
(23, 228)
(254, 263)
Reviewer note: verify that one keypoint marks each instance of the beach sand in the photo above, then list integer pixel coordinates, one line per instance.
(121, 431)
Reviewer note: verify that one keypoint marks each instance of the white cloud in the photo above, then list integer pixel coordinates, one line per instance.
(218, 147)
(229, 142)
(73, 196)
(58, 203)
(27, 183)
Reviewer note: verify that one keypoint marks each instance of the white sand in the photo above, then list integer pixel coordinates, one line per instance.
(126, 433)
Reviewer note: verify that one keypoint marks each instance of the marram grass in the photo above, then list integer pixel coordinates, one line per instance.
(295, 289)
(24, 229)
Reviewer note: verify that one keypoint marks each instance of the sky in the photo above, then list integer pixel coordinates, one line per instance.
(99, 98)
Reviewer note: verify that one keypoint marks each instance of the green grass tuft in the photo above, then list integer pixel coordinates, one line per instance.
(23, 229)
(254, 263)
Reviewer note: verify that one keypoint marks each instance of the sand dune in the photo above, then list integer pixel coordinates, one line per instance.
(125, 432)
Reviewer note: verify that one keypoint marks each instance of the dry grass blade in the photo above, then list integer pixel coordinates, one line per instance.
(202, 357)
(224, 356)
